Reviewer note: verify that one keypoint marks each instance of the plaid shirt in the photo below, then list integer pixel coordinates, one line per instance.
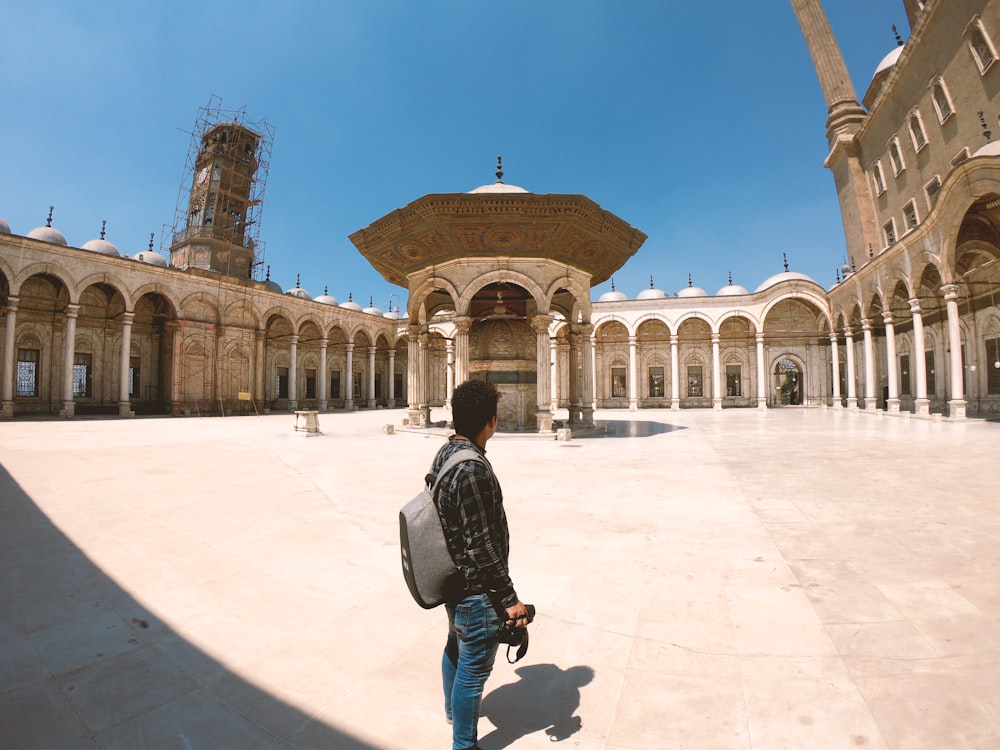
(470, 504)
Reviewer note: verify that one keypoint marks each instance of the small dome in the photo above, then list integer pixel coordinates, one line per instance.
(325, 297)
(692, 291)
(371, 309)
(651, 293)
(299, 292)
(499, 186)
(990, 149)
(101, 246)
(391, 315)
(273, 286)
(888, 61)
(4, 226)
(151, 257)
(613, 296)
(731, 290)
(350, 304)
(48, 234)
(784, 276)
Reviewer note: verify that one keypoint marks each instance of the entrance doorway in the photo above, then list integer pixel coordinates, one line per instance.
(787, 382)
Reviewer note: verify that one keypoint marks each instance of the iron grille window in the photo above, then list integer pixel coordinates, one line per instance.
(932, 189)
(618, 383)
(993, 366)
(282, 382)
(982, 49)
(82, 374)
(904, 375)
(910, 214)
(877, 176)
(656, 382)
(917, 132)
(335, 384)
(931, 380)
(896, 156)
(133, 376)
(734, 380)
(941, 102)
(890, 232)
(696, 382)
(27, 372)
(310, 384)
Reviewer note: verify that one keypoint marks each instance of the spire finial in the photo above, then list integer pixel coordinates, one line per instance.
(612, 283)
(871, 253)
(650, 281)
(326, 290)
(784, 257)
(48, 222)
(853, 267)
(899, 39)
(987, 133)
(730, 278)
(104, 226)
(689, 280)
(268, 277)
(297, 277)
(151, 235)
(499, 168)
(350, 296)
(838, 275)
(371, 301)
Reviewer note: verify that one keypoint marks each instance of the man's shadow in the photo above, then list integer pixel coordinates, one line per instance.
(545, 698)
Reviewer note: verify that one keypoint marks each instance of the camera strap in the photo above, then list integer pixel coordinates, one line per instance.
(521, 650)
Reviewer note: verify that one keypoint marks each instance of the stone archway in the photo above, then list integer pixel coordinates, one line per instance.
(788, 381)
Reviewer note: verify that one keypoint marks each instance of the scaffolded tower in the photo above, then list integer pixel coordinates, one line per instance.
(217, 218)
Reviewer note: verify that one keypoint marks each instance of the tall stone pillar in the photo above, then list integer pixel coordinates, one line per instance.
(956, 405)
(587, 396)
(293, 373)
(69, 350)
(716, 373)
(852, 380)
(449, 373)
(543, 359)
(425, 379)
(124, 405)
(173, 381)
(761, 373)
(462, 327)
(349, 376)
(633, 375)
(371, 377)
(892, 372)
(675, 374)
(553, 374)
(324, 378)
(835, 370)
(921, 404)
(574, 376)
(259, 366)
(9, 370)
(871, 400)
(413, 374)
(391, 400)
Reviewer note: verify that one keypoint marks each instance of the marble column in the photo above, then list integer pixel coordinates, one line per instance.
(425, 380)
(124, 405)
(871, 400)
(391, 401)
(69, 350)
(835, 370)
(633, 375)
(761, 373)
(293, 376)
(324, 378)
(892, 371)
(413, 374)
(349, 376)
(956, 404)
(543, 359)
(852, 382)
(716, 373)
(553, 374)
(462, 327)
(176, 356)
(449, 372)
(9, 367)
(259, 367)
(574, 376)
(921, 404)
(675, 373)
(589, 376)
(371, 377)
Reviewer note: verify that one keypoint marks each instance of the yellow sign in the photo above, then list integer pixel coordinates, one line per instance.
(245, 396)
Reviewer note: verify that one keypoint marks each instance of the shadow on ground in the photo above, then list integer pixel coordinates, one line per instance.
(629, 429)
(84, 665)
(545, 698)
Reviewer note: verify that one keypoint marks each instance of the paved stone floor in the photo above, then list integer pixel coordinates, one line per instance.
(799, 578)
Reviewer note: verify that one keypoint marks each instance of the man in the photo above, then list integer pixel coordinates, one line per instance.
(475, 527)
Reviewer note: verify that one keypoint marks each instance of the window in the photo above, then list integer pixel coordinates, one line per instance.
(910, 215)
(27, 372)
(397, 391)
(618, 383)
(929, 365)
(932, 189)
(981, 46)
(656, 382)
(133, 376)
(917, 131)
(879, 179)
(335, 384)
(696, 384)
(961, 156)
(282, 382)
(896, 156)
(310, 384)
(734, 381)
(889, 229)
(942, 101)
(993, 366)
(904, 374)
(82, 362)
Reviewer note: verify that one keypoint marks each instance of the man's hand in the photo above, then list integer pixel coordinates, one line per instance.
(518, 615)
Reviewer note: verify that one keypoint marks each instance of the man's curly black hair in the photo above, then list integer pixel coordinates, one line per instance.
(473, 405)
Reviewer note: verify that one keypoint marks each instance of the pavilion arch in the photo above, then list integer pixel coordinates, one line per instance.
(508, 278)
(47, 270)
(429, 297)
(575, 291)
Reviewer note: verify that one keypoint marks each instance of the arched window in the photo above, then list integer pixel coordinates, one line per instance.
(896, 156)
(980, 45)
(917, 131)
(942, 101)
(878, 177)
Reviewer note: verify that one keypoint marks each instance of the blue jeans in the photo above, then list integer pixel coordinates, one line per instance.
(467, 662)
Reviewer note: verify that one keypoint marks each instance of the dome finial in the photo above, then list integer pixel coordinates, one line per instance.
(104, 226)
(151, 235)
(612, 283)
(784, 257)
(899, 39)
(838, 275)
(371, 301)
(350, 296)
(326, 290)
(48, 222)
(689, 280)
(731, 277)
(268, 276)
(499, 172)
(650, 281)
(987, 133)
(298, 276)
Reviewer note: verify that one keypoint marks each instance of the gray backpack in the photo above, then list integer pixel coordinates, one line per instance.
(427, 564)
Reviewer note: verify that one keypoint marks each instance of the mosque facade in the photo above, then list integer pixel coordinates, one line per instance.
(499, 281)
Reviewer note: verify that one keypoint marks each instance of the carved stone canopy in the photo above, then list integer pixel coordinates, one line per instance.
(440, 228)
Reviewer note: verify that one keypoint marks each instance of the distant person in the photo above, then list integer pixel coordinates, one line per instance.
(475, 527)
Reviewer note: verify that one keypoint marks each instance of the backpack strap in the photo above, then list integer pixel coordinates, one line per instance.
(465, 454)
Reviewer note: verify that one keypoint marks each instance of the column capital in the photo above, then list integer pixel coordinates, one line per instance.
(294, 338)
(128, 318)
(323, 342)
(866, 324)
(462, 324)
(349, 346)
(833, 337)
(915, 305)
(12, 303)
(887, 317)
(72, 310)
(848, 332)
(950, 291)
(413, 329)
(583, 329)
(716, 337)
(540, 323)
(674, 338)
(759, 337)
(372, 349)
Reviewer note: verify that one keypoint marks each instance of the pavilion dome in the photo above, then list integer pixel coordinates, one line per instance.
(151, 257)
(48, 234)
(391, 314)
(499, 186)
(4, 226)
(325, 297)
(350, 304)
(990, 149)
(101, 246)
(784, 276)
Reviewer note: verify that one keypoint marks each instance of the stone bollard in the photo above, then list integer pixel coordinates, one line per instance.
(388, 429)
(564, 434)
(307, 422)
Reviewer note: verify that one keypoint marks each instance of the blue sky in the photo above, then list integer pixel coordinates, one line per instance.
(701, 124)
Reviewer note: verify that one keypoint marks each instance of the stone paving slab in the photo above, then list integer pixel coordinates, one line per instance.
(796, 578)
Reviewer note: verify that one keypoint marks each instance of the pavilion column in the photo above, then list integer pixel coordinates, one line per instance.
(391, 401)
(956, 405)
(589, 376)
(259, 366)
(9, 371)
(293, 377)
(761, 373)
(349, 376)
(892, 403)
(835, 370)
(413, 373)
(574, 376)
(425, 366)
(852, 387)
(553, 374)
(371, 377)
(462, 327)
(69, 350)
(323, 379)
(543, 359)
(675, 374)
(633, 375)
(174, 382)
(716, 374)
(124, 406)
(921, 404)
(871, 400)
(449, 372)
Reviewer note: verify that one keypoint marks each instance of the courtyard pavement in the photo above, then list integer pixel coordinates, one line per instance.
(797, 578)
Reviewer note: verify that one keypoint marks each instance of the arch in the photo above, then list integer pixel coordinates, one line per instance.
(611, 320)
(651, 317)
(788, 372)
(168, 295)
(200, 307)
(416, 307)
(101, 279)
(738, 313)
(508, 277)
(47, 270)
(240, 314)
(822, 306)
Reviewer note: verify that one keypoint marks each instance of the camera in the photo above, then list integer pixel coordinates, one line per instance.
(512, 635)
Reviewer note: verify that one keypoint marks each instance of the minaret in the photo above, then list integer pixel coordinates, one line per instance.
(844, 120)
